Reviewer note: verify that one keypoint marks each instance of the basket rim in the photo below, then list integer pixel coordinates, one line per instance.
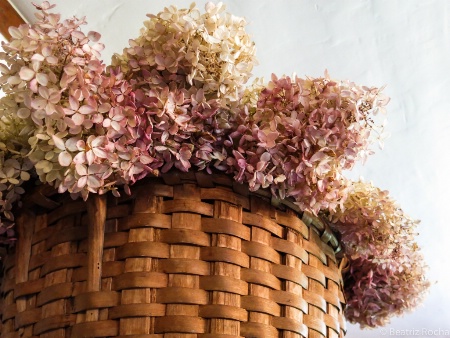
(41, 195)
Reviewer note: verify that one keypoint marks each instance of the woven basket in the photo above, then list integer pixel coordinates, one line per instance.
(187, 255)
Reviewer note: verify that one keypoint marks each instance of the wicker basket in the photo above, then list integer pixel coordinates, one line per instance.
(189, 255)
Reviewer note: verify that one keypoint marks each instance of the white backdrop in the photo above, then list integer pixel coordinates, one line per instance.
(403, 44)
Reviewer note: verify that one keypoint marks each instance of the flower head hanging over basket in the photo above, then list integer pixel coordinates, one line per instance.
(175, 104)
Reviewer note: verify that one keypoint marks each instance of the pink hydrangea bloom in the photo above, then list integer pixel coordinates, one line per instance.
(386, 268)
(301, 135)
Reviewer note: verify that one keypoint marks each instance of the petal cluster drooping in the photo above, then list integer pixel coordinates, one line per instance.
(386, 269)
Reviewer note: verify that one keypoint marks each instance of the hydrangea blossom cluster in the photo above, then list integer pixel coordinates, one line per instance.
(14, 165)
(210, 51)
(301, 135)
(83, 135)
(188, 70)
(386, 271)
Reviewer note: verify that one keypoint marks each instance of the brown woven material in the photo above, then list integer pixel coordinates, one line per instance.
(189, 255)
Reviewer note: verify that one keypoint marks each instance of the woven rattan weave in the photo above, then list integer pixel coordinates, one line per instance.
(186, 255)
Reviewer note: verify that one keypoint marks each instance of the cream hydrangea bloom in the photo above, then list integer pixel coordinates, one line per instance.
(210, 51)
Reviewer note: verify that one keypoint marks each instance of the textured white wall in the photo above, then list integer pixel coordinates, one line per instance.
(403, 44)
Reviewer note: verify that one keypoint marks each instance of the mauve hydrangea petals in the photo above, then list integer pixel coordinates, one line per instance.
(42, 79)
(291, 122)
(386, 271)
(72, 106)
(94, 36)
(59, 143)
(81, 183)
(26, 74)
(23, 113)
(71, 144)
(64, 159)
(14, 32)
(85, 110)
(78, 119)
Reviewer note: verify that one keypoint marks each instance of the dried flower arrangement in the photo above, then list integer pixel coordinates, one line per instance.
(176, 97)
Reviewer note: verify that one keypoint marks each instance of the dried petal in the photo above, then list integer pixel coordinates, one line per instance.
(64, 158)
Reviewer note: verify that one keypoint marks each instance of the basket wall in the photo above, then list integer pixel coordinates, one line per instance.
(187, 256)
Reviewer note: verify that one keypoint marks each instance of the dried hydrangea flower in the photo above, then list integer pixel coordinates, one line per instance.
(82, 116)
(14, 170)
(210, 51)
(377, 292)
(188, 70)
(300, 137)
(386, 273)
(15, 167)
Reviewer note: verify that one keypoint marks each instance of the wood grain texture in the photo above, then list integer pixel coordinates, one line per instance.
(96, 207)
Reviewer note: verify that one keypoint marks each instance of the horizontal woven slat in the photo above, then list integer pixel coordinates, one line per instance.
(288, 324)
(184, 266)
(208, 335)
(225, 226)
(53, 323)
(28, 288)
(290, 299)
(104, 328)
(223, 311)
(185, 255)
(137, 310)
(139, 280)
(218, 254)
(143, 220)
(180, 324)
(66, 235)
(182, 236)
(54, 292)
(174, 295)
(63, 262)
(9, 311)
(224, 283)
(143, 249)
(258, 330)
(27, 318)
(143, 336)
(95, 300)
